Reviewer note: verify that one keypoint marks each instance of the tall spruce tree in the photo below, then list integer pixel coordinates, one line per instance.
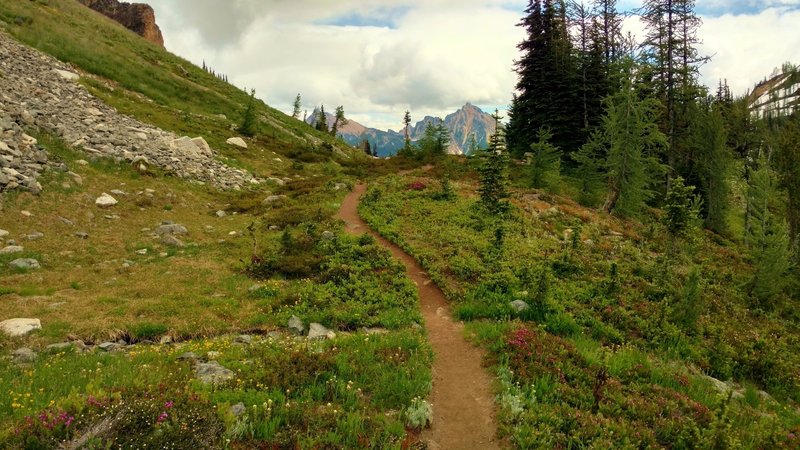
(339, 120)
(709, 163)
(547, 85)
(297, 106)
(494, 174)
(671, 50)
(248, 125)
(632, 139)
(545, 161)
(767, 237)
(322, 120)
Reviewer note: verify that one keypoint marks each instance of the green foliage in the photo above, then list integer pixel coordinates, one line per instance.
(148, 331)
(494, 175)
(590, 173)
(713, 165)
(249, 121)
(435, 141)
(690, 303)
(545, 161)
(631, 136)
(322, 120)
(768, 238)
(296, 107)
(446, 192)
(681, 208)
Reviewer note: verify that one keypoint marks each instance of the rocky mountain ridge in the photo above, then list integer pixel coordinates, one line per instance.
(137, 17)
(469, 120)
(37, 90)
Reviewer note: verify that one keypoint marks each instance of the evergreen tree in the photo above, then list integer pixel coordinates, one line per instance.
(297, 105)
(767, 237)
(545, 160)
(787, 162)
(632, 138)
(493, 174)
(709, 163)
(681, 211)
(590, 172)
(339, 120)
(547, 85)
(248, 125)
(322, 120)
(472, 145)
(442, 139)
(670, 48)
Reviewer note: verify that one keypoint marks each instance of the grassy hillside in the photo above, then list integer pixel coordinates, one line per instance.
(106, 278)
(620, 338)
(155, 86)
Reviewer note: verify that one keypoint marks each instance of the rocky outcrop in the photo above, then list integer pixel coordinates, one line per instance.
(36, 90)
(137, 17)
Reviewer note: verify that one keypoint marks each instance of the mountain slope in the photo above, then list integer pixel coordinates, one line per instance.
(467, 122)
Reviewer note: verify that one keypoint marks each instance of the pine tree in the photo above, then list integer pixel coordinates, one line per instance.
(670, 46)
(710, 162)
(787, 162)
(767, 237)
(322, 120)
(590, 172)
(681, 211)
(493, 174)
(547, 85)
(631, 136)
(545, 160)
(472, 145)
(248, 125)
(442, 139)
(297, 105)
(338, 121)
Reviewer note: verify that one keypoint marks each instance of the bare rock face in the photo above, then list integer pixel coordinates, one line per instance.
(137, 17)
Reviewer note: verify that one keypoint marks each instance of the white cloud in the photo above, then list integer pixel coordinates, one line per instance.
(437, 55)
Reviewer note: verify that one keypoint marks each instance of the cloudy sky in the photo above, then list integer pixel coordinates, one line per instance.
(381, 57)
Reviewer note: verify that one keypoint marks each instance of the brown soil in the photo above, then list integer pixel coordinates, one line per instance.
(463, 411)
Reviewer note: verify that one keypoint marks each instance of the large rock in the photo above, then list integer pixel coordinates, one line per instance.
(318, 331)
(296, 325)
(203, 146)
(237, 142)
(520, 306)
(212, 372)
(20, 327)
(25, 264)
(12, 249)
(171, 228)
(24, 355)
(105, 201)
(69, 76)
(171, 241)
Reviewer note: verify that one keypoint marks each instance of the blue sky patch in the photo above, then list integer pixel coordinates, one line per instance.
(380, 18)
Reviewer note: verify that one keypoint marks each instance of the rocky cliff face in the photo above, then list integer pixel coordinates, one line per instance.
(137, 17)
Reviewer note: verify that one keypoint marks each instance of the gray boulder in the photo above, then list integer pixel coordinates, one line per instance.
(317, 331)
(25, 264)
(520, 306)
(11, 249)
(296, 325)
(212, 373)
(24, 356)
(20, 327)
(174, 229)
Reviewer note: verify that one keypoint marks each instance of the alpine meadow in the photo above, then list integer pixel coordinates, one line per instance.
(583, 233)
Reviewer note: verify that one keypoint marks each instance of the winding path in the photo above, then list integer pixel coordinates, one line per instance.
(463, 407)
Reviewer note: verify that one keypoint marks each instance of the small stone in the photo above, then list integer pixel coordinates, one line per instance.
(66, 75)
(520, 306)
(60, 346)
(213, 354)
(213, 373)
(188, 356)
(171, 228)
(12, 249)
(82, 235)
(105, 201)
(65, 221)
(221, 213)
(82, 162)
(25, 264)
(35, 236)
(108, 346)
(328, 235)
(118, 192)
(171, 241)
(20, 327)
(318, 331)
(244, 339)
(165, 340)
(238, 409)
(3, 233)
(237, 142)
(26, 214)
(296, 325)
(273, 198)
(141, 252)
(24, 356)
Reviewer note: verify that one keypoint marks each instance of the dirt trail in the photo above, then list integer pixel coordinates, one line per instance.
(463, 411)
